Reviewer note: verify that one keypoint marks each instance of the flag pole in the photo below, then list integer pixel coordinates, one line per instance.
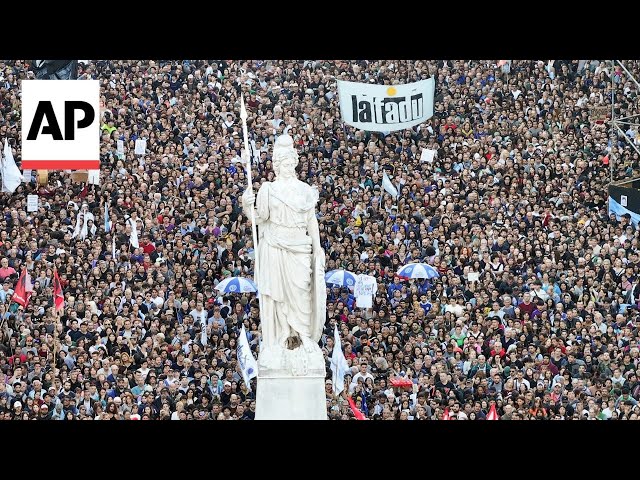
(243, 116)
(56, 319)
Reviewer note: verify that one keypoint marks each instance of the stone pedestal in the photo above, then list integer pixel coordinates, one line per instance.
(291, 384)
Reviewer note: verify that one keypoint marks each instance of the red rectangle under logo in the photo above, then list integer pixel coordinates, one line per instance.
(61, 164)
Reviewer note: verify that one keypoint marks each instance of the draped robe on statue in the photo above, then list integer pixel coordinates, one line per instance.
(289, 275)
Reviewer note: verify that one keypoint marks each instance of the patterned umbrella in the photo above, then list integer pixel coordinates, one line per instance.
(236, 285)
(418, 270)
(343, 278)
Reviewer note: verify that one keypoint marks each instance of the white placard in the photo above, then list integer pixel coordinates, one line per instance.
(141, 146)
(427, 155)
(623, 200)
(93, 177)
(120, 144)
(32, 203)
(364, 290)
(473, 276)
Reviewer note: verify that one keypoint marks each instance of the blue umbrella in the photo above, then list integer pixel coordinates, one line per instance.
(236, 285)
(343, 278)
(418, 270)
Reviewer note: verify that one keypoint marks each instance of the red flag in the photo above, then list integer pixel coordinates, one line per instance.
(446, 415)
(493, 415)
(24, 289)
(359, 415)
(58, 295)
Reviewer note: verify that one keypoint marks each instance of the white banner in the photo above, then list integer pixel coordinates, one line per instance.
(386, 108)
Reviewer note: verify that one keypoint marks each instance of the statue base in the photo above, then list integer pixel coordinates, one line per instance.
(291, 383)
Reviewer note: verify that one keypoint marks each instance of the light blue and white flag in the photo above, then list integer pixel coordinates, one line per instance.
(339, 365)
(246, 360)
(388, 186)
(133, 239)
(107, 221)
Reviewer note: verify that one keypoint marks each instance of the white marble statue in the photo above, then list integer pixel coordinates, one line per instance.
(289, 274)
(290, 261)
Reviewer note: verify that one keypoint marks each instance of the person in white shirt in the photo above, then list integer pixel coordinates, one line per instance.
(362, 373)
(496, 311)
(537, 292)
(199, 314)
(617, 379)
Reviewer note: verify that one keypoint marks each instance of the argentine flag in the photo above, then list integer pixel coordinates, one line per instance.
(107, 222)
(388, 186)
(246, 360)
(339, 365)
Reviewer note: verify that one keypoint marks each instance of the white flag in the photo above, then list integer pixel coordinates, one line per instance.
(246, 361)
(11, 176)
(133, 239)
(388, 186)
(203, 330)
(339, 365)
(255, 158)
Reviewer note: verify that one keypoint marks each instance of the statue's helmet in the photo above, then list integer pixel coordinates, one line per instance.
(283, 149)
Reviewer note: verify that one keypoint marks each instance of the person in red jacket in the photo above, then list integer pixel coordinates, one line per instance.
(527, 305)
(147, 246)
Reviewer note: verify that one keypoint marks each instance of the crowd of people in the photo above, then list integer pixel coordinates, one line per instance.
(535, 310)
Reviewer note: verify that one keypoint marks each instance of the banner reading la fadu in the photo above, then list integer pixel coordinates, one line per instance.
(386, 108)
(61, 124)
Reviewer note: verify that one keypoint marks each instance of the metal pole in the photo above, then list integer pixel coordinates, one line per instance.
(624, 134)
(613, 131)
(628, 118)
(625, 71)
(243, 116)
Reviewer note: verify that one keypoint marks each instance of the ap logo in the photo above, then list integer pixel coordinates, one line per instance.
(61, 124)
